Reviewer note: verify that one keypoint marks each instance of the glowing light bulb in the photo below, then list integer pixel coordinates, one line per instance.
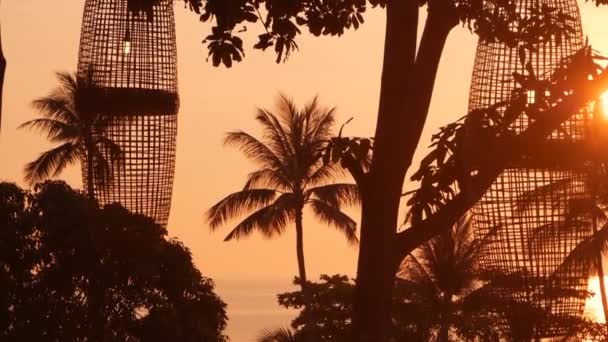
(531, 97)
(127, 47)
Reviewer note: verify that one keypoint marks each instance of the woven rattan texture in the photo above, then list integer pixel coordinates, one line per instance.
(527, 208)
(131, 56)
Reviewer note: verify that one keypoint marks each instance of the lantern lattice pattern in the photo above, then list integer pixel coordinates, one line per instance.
(526, 210)
(128, 51)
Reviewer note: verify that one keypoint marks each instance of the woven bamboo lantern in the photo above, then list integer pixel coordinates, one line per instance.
(527, 207)
(128, 49)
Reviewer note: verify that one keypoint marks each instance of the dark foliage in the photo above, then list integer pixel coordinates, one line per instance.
(151, 288)
(281, 22)
(480, 315)
(332, 305)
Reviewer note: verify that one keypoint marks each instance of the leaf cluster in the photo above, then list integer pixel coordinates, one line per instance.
(282, 21)
(331, 307)
(348, 150)
(456, 160)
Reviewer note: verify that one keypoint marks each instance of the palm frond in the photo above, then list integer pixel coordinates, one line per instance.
(104, 175)
(324, 174)
(102, 165)
(413, 270)
(267, 178)
(51, 163)
(102, 122)
(275, 134)
(55, 130)
(540, 193)
(333, 216)
(255, 150)
(583, 207)
(587, 251)
(471, 250)
(270, 220)
(277, 335)
(238, 203)
(288, 113)
(337, 194)
(62, 122)
(109, 149)
(58, 106)
(68, 82)
(553, 230)
(322, 123)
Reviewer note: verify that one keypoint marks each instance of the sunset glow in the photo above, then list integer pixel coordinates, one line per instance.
(351, 72)
(604, 103)
(127, 47)
(593, 308)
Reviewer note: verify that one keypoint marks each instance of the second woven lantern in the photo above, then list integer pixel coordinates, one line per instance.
(526, 209)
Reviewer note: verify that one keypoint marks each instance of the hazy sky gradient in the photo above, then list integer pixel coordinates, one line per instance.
(41, 37)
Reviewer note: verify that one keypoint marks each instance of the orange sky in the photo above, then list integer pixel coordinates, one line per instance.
(41, 37)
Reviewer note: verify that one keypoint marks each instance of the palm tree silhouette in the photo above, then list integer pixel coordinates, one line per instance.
(69, 118)
(72, 119)
(291, 175)
(443, 272)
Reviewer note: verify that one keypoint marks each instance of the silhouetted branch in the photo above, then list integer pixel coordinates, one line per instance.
(492, 163)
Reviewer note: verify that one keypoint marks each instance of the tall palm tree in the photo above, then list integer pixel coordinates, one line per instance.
(443, 272)
(589, 252)
(291, 176)
(69, 119)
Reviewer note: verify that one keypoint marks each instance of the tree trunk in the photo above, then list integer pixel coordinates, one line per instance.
(306, 295)
(96, 291)
(2, 70)
(600, 275)
(406, 89)
(90, 181)
(446, 313)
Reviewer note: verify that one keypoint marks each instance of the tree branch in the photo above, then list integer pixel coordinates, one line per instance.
(356, 170)
(444, 218)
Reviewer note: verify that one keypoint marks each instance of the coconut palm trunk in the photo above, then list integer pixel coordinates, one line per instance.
(90, 181)
(595, 183)
(444, 328)
(600, 275)
(95, 293)
(307, 296)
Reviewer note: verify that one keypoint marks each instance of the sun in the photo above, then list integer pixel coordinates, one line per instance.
(593, 307)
